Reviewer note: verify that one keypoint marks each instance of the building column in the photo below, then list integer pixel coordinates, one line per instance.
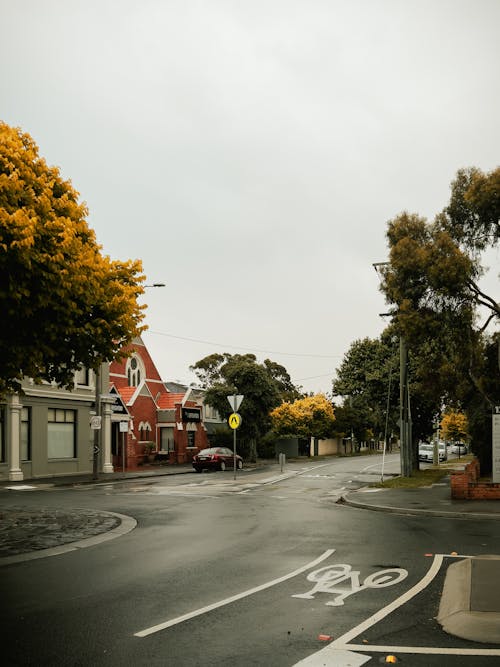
(14, 440)
(106, 412)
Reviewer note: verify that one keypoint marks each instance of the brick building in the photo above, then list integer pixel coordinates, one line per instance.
(146, 413)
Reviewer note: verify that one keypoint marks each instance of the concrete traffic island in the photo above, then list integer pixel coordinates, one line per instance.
(470, 603)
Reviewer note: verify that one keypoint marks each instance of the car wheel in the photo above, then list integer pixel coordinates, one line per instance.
(198, 469)
(239, 464)
(222, 465)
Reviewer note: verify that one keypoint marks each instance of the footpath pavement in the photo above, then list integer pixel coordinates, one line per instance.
(470, 603)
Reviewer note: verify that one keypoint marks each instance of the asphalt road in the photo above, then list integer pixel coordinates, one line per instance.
(267, 570)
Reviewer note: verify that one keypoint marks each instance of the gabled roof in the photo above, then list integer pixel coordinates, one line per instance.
(126, 393)
(169, 400)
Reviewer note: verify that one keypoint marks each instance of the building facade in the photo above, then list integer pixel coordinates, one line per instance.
(162, 426)
(46, 431)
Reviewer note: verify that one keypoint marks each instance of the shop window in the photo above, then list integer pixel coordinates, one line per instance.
(191, 438)
(61, 434)
(26, 434)
(2, 434)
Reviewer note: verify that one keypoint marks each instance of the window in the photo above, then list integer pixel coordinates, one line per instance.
(191, 435)
(61, 434)
(2, 433)
(144, 431)
(26, 434)
(135, 371)
(82, 377)
(167, 439)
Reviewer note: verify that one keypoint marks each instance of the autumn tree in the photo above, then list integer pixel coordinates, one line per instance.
(311, 416)
(433, 282)
(64, 303)
(454, 426)
(264, 386)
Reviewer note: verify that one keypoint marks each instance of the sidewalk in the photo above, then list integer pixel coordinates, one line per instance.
(74, 480)
(432, 500)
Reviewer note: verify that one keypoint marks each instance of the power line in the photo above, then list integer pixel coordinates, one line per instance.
(250, 349)
(313, 377)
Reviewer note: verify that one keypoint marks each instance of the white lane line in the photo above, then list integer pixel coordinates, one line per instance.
(239, 596)
(329, 654)
(388, 609)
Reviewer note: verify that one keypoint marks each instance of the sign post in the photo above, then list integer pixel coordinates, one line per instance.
(496, 444)
(234, 422)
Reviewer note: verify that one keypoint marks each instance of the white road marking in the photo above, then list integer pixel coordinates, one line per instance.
(340, 653)
(388, 609)
(239, 596)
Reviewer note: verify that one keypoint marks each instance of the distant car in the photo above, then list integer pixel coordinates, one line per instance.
(426, 452)
(459, 448)
(216, 458)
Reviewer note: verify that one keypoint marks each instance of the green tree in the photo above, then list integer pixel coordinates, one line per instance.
(433, 281)
(367, 379)
(64, 303)
(261, 384)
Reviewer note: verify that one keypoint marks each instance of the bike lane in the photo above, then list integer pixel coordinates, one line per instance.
(296, 614)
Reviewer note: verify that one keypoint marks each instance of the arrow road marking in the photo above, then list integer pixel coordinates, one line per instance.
(239, 596)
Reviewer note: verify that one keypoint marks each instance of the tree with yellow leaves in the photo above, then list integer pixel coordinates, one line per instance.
(312, 416)
(64, 304)
(454, 426)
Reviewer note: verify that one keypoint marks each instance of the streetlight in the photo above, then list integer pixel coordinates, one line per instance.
(405, 435)
(155, 285)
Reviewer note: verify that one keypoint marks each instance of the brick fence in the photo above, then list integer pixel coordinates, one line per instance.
(465, 484)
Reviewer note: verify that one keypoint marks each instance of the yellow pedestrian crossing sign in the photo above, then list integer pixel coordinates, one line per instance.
(234, 420)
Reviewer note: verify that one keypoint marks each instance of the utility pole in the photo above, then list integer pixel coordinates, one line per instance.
(97, 431)
(405, 427)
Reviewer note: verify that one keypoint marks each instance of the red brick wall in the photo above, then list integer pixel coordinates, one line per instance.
(465, 484)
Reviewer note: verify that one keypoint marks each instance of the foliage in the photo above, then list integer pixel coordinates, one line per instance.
(263, 385)
(418, 479)
(454, 426)
(307, 417)
(367, 378)
(64, 304)
(432, 282)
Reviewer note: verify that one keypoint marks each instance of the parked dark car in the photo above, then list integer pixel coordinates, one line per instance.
(216, 458)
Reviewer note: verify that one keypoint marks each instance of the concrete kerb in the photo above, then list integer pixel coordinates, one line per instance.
(127, 524)
(469, 602)
(411, 511)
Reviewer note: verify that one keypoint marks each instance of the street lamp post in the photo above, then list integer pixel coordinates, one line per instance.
(405, 426)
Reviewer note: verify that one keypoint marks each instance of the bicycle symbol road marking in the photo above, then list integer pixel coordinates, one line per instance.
(328, 578)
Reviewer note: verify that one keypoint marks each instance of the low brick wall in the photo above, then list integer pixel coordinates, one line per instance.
(465, 484)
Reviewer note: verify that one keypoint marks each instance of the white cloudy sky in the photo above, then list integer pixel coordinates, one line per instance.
(250, 152)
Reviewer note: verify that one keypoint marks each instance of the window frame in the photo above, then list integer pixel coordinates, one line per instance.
(55, 413)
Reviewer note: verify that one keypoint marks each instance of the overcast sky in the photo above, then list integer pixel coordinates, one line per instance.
(251, 152)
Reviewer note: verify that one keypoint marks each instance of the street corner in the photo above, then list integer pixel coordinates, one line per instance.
(470, 602)
(29, 533)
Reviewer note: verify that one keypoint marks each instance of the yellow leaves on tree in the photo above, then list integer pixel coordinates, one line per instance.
(312, 416)
(64, 303)
(454, 426)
